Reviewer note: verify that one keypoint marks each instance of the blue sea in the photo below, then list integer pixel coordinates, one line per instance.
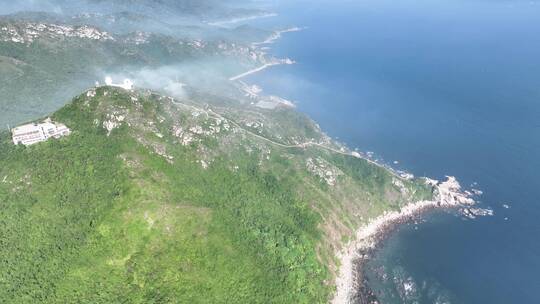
(443, 87)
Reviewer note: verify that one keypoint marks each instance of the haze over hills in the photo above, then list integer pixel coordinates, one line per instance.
(61, 54)
(192, 187)
(173, 9)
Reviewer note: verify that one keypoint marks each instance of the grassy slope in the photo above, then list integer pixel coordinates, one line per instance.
(93, 218)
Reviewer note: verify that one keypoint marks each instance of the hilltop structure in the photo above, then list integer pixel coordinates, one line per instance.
(126, 85)
(30, 134)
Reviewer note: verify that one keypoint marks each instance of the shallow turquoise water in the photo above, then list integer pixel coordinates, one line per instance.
(444, 87)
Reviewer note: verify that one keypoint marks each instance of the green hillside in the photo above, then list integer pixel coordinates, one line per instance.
(155, 200)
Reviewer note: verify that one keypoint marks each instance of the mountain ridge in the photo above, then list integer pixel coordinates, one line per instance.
(171, 200)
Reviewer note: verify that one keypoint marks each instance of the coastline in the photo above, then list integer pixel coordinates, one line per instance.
(278, 34)
(273, 62)
(350, 285)
(241, 19)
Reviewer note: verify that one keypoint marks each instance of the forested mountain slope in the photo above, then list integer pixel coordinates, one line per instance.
(159, 200)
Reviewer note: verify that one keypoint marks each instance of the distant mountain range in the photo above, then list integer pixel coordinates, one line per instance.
(45, 57)
(169, 9)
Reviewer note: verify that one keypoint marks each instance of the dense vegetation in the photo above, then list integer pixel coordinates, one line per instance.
(104, 218)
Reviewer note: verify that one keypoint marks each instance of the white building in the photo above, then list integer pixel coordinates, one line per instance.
(33, 133)
(127, 85)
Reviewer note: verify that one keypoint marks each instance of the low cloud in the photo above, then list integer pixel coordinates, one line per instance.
(211, 75)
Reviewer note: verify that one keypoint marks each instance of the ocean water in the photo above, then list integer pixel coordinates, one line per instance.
(445, 88)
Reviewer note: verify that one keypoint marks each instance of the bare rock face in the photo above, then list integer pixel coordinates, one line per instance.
(113, 121)
(27, 33)
(322, 169)
(449, 193)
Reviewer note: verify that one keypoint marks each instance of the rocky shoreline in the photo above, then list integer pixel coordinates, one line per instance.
(351, 286)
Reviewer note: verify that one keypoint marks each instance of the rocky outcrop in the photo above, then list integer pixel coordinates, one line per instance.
(26, 33)
(349, 283)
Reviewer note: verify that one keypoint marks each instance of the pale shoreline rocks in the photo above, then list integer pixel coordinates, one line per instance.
(349, 283)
